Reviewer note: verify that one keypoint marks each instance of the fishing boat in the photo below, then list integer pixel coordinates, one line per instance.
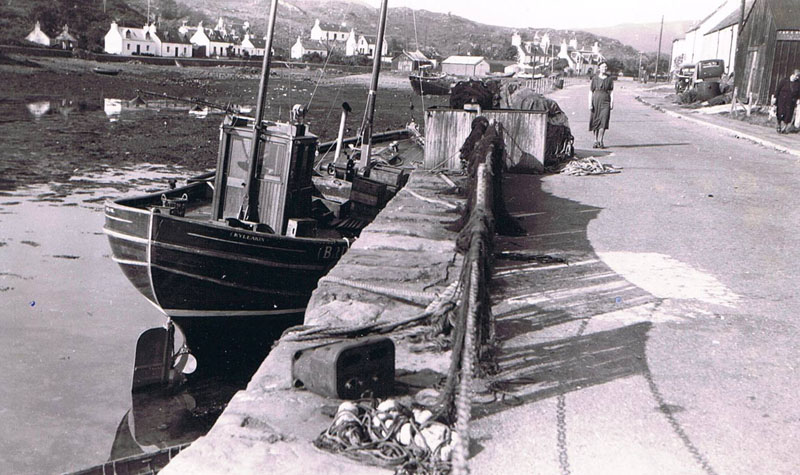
(431, 84)
(233, 255)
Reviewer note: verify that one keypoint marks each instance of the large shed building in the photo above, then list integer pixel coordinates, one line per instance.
(768, 48)
(466, 66)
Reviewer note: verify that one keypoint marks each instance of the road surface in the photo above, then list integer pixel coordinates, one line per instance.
(666, 343)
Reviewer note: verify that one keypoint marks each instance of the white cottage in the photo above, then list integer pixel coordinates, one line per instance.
(252, 46)
(175, 44)
(366, 46)
(213, 42)
(328, 32)
(38, 36)
(128, 41)
(304, 46)
(65, 40)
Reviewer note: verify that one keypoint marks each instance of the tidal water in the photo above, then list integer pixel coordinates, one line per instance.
(69, 319)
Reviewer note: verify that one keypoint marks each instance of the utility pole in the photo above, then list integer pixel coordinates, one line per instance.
(639, 71)
(658, 55)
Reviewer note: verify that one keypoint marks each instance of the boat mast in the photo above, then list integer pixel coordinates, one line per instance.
(366, 128)
(249, 209)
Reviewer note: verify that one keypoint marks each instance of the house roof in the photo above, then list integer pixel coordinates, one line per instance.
(173, 36)
(463, 60)
(216, 36)
(370, 39)
(311, 45)
(333, 27)
(135, 33)
(697, 25)
(65, 35)
(257, 42)
(732, 19)
(416, 55)
(533, 49)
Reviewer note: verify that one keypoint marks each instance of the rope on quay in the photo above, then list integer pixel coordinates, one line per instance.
(434, 439)
(430, 200)
(437, 310)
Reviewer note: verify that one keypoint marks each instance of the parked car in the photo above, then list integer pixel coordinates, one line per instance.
(684, 77)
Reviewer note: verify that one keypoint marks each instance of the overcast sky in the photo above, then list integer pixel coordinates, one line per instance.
(564, 14)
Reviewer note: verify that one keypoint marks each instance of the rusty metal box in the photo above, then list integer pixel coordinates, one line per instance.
(349, 369)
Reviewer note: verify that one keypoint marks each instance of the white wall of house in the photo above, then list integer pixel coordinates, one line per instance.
(178, 50)
(38, 36)
(200, 39)
(351, 46)
(320, 34)
(721, 44)
(218, 48)
(297, 51)
(112, 42)
(364, 46)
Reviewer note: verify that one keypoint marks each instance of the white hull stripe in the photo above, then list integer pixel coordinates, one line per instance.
(125, 237)
(114, 218)
(128, 262)
(128, 209)
(238, 257)
(230, 284)
(228, 313)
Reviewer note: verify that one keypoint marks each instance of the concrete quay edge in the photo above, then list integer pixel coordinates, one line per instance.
(795, 151)
(404, 258)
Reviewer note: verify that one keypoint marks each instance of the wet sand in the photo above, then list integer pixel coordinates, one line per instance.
(69, 319)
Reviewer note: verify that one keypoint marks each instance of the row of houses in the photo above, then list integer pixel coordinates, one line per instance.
(540, 52)
(184, 41)
(325, 37)
(765, 50)
(64, 40)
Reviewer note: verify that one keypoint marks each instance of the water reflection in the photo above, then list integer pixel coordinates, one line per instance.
(39, 108)
(117, 109)
(112, 108)
(161, 422)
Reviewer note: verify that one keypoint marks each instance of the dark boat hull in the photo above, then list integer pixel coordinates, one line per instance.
(226, 288)
(430, 86)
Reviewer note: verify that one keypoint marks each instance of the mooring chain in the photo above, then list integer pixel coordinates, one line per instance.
(561, 418)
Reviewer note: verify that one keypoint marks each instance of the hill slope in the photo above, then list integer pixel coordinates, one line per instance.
(406, 29)
(644, 36)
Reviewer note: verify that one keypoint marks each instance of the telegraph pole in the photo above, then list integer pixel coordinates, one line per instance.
(658, 55)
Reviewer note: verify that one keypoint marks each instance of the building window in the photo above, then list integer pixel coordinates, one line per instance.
(167, 49)
(129, 46)
(148, 47)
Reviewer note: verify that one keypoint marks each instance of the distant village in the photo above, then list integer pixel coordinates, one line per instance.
(534, 55)
(769, 25)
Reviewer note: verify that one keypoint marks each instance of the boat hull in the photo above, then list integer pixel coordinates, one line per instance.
(226, 288)
(430, 86)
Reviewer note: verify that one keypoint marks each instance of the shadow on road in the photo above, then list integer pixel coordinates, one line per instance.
(540, 371)
(531, 296)
(644, 145)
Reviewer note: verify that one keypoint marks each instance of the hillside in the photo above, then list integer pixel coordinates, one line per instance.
(644, 36)
(441, 33)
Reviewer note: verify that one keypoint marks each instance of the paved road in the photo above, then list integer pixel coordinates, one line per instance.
(667, 343)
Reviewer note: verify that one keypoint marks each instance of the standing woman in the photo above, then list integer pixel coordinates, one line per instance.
(787, 95)
(601, 101)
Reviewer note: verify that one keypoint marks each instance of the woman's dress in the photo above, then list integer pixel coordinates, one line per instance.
(786, 94)
(601, 102)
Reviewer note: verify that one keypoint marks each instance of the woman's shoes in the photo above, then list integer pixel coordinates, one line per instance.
(602, 145)
(596, 145)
